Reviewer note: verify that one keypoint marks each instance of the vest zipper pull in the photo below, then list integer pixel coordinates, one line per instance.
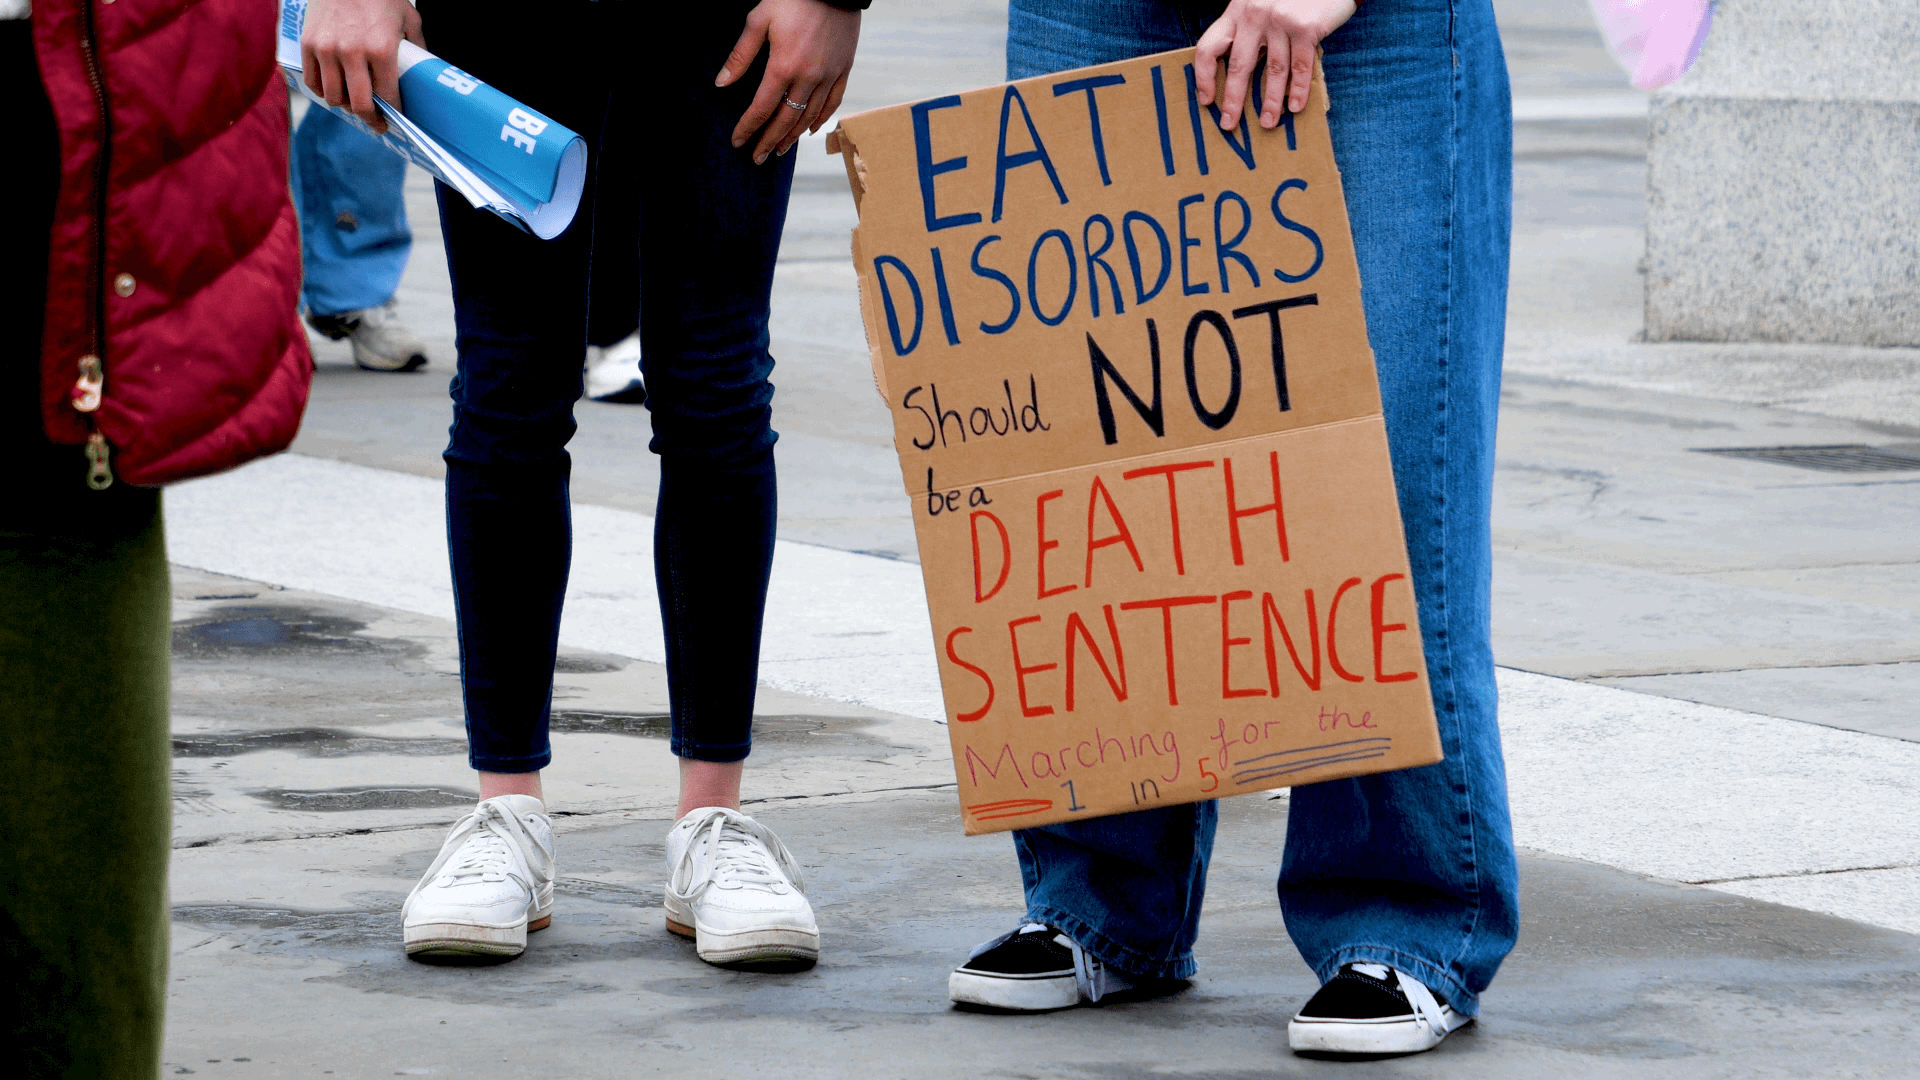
(99, 476)
(87, 389)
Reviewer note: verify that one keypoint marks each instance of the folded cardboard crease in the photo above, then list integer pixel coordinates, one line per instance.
(1137, 414)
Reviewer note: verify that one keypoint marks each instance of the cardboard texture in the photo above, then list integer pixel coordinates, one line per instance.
(1137, 414)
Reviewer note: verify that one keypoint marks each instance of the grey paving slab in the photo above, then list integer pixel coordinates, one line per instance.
(316, 772)
(1883, 699)
(318, 760)
(1622, 549)
(301, 715)
(287, 955)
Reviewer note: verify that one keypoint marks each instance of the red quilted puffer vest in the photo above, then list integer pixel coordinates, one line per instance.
(172, 344)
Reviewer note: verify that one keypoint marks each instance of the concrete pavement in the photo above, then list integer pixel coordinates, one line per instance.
(1710, 665)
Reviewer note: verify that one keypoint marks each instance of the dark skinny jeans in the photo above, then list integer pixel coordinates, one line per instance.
(709, 231)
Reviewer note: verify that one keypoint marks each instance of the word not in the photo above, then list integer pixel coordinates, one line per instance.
(1155, 415)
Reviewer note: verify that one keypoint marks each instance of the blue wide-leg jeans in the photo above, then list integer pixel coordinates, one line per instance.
(705, 222)
(354, 236)
(1413, 868)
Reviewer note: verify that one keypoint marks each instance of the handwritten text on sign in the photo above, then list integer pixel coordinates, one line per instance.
(1134, 403)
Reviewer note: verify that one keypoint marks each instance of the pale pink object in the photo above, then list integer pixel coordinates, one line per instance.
(1656, 41)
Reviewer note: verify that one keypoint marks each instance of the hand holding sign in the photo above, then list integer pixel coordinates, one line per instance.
(1289, 30)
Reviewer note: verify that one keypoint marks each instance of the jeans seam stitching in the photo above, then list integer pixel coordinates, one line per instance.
(1471, 921)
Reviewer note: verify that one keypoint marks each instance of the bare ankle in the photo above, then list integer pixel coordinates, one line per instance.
(709, 783)
(494, 785)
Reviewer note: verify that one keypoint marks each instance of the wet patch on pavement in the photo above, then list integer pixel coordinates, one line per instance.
(775, 729)
(583, 722)
(337, 800)
(268, 926)
(281, 630)
(310, 742)
(607, 892)
(587, 665)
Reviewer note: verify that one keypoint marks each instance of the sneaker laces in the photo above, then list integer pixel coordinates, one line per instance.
(1426, 1008)
(491, 844)
(738, 851)
(1095, 979)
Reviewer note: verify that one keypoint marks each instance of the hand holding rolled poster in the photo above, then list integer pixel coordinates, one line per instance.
(496, 152)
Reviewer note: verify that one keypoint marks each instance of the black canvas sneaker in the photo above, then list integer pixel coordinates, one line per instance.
(1373, 1009)
(1034, 968)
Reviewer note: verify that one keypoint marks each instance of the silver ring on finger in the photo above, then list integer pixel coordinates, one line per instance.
(792, 104)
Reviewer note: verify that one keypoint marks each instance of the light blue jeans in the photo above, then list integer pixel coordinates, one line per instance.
(353, 215)
(1414, 868)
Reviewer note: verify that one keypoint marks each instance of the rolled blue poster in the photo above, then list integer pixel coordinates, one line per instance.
(509, 141)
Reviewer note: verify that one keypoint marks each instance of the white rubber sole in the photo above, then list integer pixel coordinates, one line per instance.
(454, 938)
(471, 939)
(1040, 994)
(1389, 1036)
(368, 360)
(762, 944)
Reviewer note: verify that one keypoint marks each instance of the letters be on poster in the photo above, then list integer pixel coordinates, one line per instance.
(1137, 415)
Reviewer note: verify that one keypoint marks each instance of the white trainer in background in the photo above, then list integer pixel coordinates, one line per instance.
(381, 342)
(490, 885)
(613, 373)
(734, 888)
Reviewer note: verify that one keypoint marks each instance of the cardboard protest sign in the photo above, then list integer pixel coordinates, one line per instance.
(1137, 413)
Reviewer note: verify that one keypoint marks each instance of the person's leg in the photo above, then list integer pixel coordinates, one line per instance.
(709, 235)
(613, 321)
(353, 215)
(1416, 869)
(84, 634)
(520, 311)
(1126, 888)
(350, 192)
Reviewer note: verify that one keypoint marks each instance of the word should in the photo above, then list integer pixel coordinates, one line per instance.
(979, 420)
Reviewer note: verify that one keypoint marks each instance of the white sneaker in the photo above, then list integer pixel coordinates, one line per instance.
(613, 373)
(733, 887)
(380, 342)
(490, 885)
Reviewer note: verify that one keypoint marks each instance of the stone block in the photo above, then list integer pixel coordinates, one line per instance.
(1783, 203)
